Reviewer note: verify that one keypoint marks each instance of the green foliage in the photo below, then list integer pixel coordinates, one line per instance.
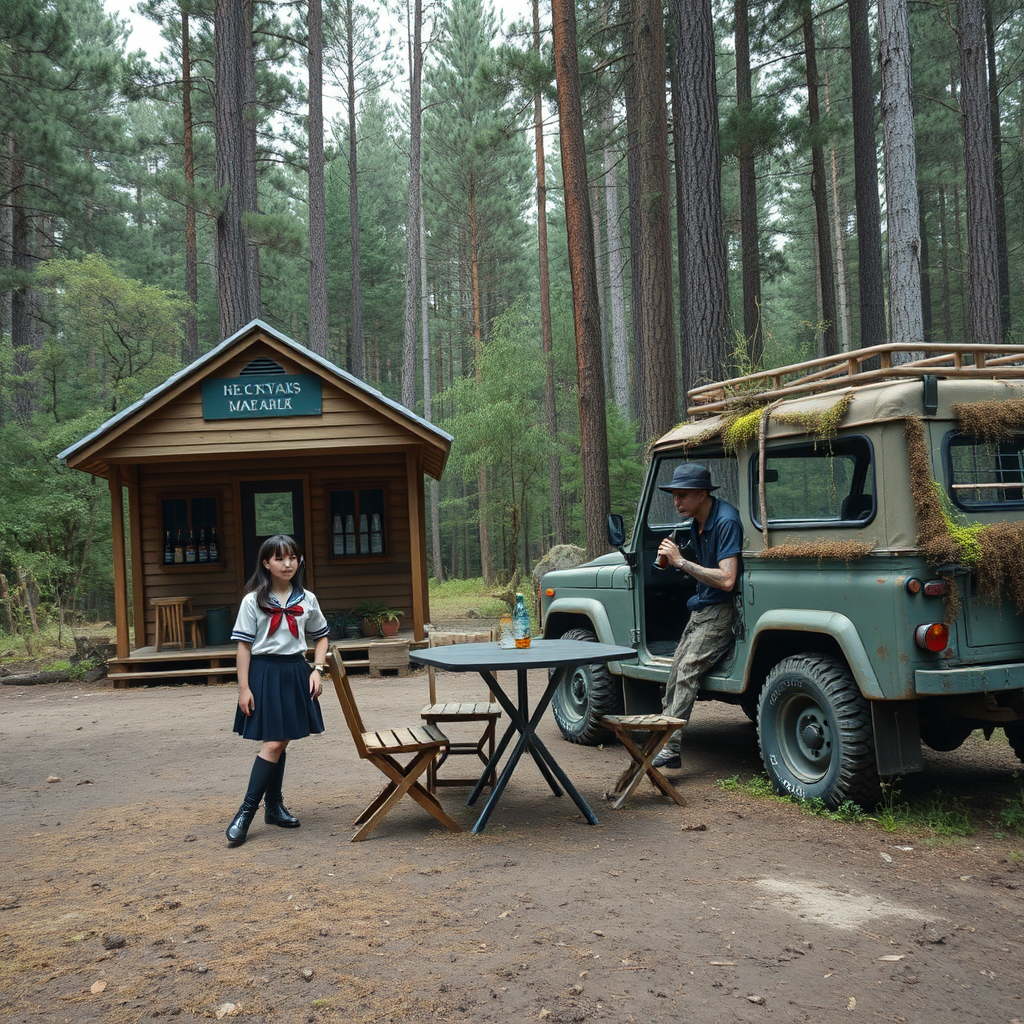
(966, 535)
(1011, 817)
(945, 816)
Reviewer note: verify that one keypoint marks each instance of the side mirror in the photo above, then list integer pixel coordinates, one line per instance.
(616, 530)
(617, 537)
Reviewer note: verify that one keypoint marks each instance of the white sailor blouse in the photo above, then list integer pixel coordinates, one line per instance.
(287, 629)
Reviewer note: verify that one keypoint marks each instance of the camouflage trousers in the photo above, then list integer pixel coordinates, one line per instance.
(708, 635)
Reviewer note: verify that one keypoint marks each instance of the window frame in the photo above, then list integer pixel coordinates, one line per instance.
(950, 482)
(860, 478)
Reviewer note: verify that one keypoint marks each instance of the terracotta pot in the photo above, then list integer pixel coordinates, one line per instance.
(389, 628)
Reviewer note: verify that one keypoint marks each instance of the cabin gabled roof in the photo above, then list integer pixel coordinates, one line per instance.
(94, 452)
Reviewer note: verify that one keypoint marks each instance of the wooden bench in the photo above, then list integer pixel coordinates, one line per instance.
(658, 729)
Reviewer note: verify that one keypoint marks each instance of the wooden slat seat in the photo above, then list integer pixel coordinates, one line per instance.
(486, 711)
(379, 747)
(659, 728)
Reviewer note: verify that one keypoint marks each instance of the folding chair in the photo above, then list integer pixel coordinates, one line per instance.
(659, 728)
(487, 711)
(424, 742)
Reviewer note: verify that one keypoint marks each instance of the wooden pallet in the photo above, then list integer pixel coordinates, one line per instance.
(852, 369)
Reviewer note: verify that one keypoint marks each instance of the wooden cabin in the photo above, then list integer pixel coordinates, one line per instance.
(256, 437)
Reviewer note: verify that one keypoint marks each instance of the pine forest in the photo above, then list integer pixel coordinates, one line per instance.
(535, 229)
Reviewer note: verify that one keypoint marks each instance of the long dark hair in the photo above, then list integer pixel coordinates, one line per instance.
(260, 581)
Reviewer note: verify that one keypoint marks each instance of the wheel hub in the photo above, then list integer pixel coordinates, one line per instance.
(813, 736)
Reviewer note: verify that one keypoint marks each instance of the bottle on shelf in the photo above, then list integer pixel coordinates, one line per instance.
(339, 535)
(190, 547)
(168, 550)
(376, 535)
(364, 536)
(521, 623)
(350, 535)
(179, 550)
(213, 544)
(204, 551)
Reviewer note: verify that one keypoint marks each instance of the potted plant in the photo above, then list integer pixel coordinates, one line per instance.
(368, 612)
(387, 621)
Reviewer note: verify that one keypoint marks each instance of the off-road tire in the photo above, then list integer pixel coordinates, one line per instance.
(814, 729)
(584, 696)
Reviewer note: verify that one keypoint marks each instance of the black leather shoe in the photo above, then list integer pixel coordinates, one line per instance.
(277, 814)
(238, 830)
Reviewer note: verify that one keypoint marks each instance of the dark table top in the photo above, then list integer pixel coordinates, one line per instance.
(540, 654)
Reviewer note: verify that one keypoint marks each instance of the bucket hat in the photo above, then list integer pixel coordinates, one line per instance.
(689, 476)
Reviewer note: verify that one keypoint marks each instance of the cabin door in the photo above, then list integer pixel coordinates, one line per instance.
(269, 507)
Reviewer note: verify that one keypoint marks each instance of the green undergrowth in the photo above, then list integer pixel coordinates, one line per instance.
(937, 814)
(461, 599)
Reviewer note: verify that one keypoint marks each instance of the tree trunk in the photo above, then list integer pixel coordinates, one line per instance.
(616, 291)
(550, 408)
(839, 234)
(819, 192)
(997, 176)
(357, 356)
(412, 218)
(704, 305)
(982, 248)
(593, 433)
(865, 171)
(749, 242)
(233, 280)
(315, 181)
(926, 282)
(947, 309)
(191, 255)
(904, 243)
(653, 258)
(250, 130)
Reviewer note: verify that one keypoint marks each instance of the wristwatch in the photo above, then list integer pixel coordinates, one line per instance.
(319, 668)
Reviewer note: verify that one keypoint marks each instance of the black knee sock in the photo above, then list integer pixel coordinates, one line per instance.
(273, 794)
(260, 778)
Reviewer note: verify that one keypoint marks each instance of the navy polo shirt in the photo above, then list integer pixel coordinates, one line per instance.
(722, 537)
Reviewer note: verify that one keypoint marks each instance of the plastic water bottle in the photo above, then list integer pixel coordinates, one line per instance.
(521, 623)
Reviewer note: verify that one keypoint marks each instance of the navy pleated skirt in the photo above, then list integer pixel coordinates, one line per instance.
(280, 690)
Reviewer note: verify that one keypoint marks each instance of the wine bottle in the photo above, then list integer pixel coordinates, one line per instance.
(213, 544)
(350, 535)
(168, 550)
(339, 535)
(376, 535)
(364, 536)
(204, 552)
(190, 548)
(179, 550)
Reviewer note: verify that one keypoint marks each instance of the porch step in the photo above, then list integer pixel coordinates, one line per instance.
(122, 679)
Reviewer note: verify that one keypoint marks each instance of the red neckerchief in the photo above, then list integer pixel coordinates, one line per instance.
(288, 613)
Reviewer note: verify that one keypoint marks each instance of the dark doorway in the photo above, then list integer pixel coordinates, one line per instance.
(269, 507)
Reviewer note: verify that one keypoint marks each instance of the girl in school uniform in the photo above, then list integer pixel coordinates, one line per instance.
(277, 692)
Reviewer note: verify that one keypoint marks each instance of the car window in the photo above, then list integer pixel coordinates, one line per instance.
(985, 474)
(661, 513)
(815, 483)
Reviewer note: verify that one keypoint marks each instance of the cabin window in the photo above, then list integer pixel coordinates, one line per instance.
(816, 483)
(985, 474)
(189, 535)
(358, 522)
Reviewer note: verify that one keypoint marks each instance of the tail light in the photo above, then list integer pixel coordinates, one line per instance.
(932, 636)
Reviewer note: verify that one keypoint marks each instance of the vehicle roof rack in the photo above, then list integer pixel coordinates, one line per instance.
(857, 368)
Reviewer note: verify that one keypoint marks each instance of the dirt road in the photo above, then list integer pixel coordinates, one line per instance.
(120, 901)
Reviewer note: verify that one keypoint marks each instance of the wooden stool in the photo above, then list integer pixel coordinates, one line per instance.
(659, 728)
(170, 620)
(194, 624)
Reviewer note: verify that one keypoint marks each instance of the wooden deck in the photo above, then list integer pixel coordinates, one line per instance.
(146, 665)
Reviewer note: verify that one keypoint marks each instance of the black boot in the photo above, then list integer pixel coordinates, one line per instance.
(259, 778)
(274, 810)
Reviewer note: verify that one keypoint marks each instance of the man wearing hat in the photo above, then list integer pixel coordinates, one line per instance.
(716, 535)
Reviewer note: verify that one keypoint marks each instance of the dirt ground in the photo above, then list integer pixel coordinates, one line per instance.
(120, 900)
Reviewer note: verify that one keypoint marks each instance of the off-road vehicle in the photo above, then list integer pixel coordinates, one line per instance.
(882, 586)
